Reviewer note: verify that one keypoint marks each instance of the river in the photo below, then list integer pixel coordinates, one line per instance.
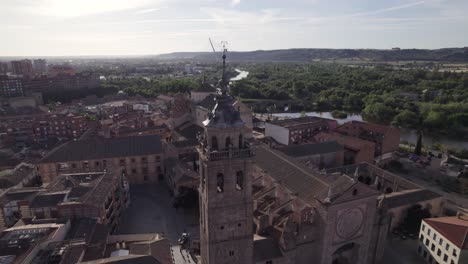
(406, 135)
(240, 76)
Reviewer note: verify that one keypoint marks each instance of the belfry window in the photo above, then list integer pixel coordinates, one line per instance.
(220, 182)
(228, 142)
(214, 143)
(239, 180)
(240, 141)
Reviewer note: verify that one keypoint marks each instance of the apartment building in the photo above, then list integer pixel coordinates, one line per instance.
(22, 67)
(26, 130)
(298, 130)
(444, 240)
(10, 87)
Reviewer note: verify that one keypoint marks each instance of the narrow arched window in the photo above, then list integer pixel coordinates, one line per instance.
(203, 175)
(241, 144)
(239, 180)
(214, 143)
(228, 142)
(220, 182)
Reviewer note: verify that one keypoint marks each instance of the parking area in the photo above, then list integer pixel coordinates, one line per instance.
(151, 211)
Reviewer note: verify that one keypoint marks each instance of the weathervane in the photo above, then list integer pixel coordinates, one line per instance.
(223, 82)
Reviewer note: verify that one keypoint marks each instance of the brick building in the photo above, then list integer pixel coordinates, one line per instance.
(140, 158)
(298, 130)
(386, 138)
(26, 130)
(355, 150)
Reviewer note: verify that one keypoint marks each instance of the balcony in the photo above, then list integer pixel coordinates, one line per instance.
(229, 154)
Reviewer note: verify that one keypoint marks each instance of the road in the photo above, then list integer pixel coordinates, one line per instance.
(151, 211)
(426, 178)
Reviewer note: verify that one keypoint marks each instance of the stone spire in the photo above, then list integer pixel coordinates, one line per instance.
(223, 114)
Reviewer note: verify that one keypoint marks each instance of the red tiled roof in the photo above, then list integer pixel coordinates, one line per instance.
(453, 228)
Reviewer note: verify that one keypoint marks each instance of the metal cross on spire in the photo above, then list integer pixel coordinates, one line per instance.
(224, 80)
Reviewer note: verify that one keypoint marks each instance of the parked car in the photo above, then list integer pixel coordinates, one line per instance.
(183, 238)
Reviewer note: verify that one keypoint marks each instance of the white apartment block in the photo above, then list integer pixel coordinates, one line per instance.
(444, 240)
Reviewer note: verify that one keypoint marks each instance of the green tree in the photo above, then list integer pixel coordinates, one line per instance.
(379, 112)
(418, 148)
(434, 120)
(407, 118)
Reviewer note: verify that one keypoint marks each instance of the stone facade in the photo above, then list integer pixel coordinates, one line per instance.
(225, 198)
(140, 158)
(139, 169)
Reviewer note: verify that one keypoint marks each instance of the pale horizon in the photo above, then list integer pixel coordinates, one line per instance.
(54, 28)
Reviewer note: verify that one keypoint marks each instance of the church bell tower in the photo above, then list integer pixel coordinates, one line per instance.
(226, 205)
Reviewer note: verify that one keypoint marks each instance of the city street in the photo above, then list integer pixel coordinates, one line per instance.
(151, 211)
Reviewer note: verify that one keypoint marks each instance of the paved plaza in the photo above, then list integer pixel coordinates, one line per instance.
(151, 211)
(399, 251)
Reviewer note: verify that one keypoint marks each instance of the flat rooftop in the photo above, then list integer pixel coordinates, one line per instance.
(291, 122)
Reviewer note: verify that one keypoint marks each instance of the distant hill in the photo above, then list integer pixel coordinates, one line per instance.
(446, 55)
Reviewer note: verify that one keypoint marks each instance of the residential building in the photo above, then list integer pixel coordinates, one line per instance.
(40, 65)
(140, 157)
(44, 128)
(444, 240)
(3, 68)
(22, 67)
(62, 83)
(386, 138)
(14, 205)
(100, 195)
(316, 155)
(298, 130)
(355, 150)
(81, 240)
(22, 244)
(10, 87)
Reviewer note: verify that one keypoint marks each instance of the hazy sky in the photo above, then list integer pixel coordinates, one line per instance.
(114, 27)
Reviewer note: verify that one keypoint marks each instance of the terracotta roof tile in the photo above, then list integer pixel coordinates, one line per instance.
(454, 228)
